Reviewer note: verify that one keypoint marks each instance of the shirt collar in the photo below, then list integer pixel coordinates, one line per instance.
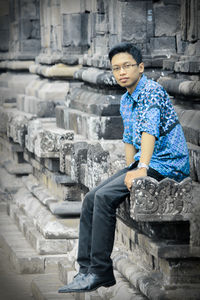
(134, 95)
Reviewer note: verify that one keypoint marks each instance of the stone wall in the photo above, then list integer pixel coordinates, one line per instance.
(60, 123)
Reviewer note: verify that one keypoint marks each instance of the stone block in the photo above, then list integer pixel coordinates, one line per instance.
(163, 45)
(181, 272)
(166, 200)
(44, 138)
(97, 166)
(56, 71)
(31, 45)
(194, 154)
(22, 257)
(66, 208)
(194, 224)
(46, 287)
(48, 226)
(52, 164)
(4, 35)
(97, 104)
(96, 76)
(190, 120)
(75, 29)
(33, 105)
(17, 169)
(130, 11)
(94, 127)
(166, 20)
(17, 125)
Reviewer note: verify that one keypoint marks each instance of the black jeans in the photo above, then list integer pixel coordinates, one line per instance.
(97, 222)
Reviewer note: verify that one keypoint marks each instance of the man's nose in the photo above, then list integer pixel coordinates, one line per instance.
(122, 70)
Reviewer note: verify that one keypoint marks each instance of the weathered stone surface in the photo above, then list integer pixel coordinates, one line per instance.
(17, 169)
(46, 287)
(66, 208)
(16, 65)
(17, 125)
(93, 127)
(75, 27)
(47, 225)
(166, 14)
(158, 201)
(94, 103)
(44, 138)
(89, 164)
(194, 224)
(190, 120)
(23, 258)
(56, 71)
(33, 105)
(194, 155)
(181, 87)
(96, 76)
(164, 45)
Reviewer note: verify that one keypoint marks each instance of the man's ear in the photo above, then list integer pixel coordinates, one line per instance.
(141, 67)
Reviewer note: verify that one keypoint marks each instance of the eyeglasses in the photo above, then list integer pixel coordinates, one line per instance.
(125, 67)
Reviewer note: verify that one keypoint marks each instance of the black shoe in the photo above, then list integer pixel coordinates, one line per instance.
(78, 277)
(88, 283)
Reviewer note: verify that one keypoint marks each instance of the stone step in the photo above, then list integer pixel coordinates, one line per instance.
(45, 287)
(17, 169)
(91, 126)
(49, 226)
(65, 208)
(122, 290)
(42, 245)
(36, 106)
(9, 183)
(23, 257)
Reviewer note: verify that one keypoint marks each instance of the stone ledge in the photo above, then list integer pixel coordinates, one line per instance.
(194, 154)
(97, 103)
(96, 76)
(190, 120)
(16, 65)
(151, 283)
(36, 106)
(42, 245)
(91, 126)
(181, 87)
(56, 71)
(65, 208)
(167, 200)
(49, 226)
(17, 123)
(22, 256)
(46, 287)
(44, 138)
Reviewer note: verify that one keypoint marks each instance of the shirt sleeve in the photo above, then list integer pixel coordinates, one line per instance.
(150, 121)
(127, 138)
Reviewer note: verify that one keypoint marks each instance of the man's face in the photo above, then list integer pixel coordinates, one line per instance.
(126, 70)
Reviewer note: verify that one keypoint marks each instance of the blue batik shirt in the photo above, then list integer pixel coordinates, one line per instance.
(150, 110)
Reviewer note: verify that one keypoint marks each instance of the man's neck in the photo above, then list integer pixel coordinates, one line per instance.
(131, 89)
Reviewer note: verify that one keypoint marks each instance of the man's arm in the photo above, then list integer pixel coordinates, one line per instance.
(147, 147)
(130, 151)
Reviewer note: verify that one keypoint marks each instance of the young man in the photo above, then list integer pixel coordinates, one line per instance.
(154, 146)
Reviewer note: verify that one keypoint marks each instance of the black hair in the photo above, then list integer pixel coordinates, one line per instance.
(126, 47)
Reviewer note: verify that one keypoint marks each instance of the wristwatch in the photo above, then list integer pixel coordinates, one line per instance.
(142, 165)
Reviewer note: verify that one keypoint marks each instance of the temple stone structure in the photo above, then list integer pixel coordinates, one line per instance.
(61, 135)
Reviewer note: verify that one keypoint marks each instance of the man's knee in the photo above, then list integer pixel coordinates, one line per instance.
(88, 201)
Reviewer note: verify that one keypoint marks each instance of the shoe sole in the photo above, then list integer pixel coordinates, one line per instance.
(107, 284)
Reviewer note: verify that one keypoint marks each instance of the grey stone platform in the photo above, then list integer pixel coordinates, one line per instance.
(45, 287)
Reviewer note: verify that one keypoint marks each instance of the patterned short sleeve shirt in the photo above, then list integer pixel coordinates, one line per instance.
(150, 110)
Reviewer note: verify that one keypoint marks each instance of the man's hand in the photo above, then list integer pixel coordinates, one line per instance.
(134, 174)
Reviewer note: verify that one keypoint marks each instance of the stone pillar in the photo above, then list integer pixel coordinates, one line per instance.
(190, 24)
